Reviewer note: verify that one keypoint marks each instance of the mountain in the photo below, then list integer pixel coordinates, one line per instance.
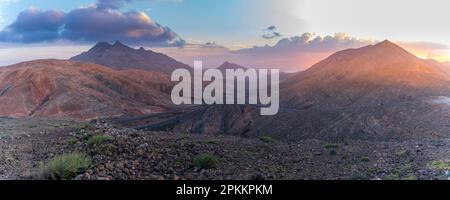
(60, 88)
(372, 75)
(377, 93)
(120, 56)
(447, 66)
(228, 65)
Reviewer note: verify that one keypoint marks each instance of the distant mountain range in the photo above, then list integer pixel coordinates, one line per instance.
(120, 56)
(378, 92)
(125, 81)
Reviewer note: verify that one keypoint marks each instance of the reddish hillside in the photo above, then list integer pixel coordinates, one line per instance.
(372, 75)
(58, 88)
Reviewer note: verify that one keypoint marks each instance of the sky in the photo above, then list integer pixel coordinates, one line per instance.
(287, 34)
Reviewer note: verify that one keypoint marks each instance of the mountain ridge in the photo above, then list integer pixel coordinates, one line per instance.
(378, 92)
(120, 56)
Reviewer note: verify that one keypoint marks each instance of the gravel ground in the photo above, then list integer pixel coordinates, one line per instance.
(132, 154)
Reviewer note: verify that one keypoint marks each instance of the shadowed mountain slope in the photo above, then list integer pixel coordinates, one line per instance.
(120, 56)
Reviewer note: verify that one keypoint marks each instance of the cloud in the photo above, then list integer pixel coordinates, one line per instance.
(34, 25)
(99, 22)
(295, 53)
(272, 33)
(271, 28)
(288, 54)
(310, 42)
(110, 4)
(299, 52)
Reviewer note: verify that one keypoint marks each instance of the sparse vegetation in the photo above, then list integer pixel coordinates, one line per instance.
(211, 142)
(65, 167)
(83, 129)
(365, 159)
(267, 139)
(206, 161)
(402, 153)
(331, 146)
(72, 141)
(440, 164)
(372, 171)
(401, 172)
(99, 139)
(410, 178)
(103, 149)
(393, 176)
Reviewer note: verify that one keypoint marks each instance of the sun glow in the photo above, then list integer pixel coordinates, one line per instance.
(445, 57)
(436, 52)
(442, 58)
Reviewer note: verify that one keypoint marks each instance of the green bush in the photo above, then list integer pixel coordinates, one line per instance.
(99, 139)
(365, 159)
(65, 167)
(331, 146)
(211, 142)
(84, 128)
(206, 161)
(267, 139)
(439, 164)
(72, 141)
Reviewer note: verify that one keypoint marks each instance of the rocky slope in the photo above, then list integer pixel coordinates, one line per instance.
(139, 155)
(120, 56)
(59, 88)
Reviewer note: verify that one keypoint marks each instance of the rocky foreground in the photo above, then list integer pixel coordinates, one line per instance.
(117, 154)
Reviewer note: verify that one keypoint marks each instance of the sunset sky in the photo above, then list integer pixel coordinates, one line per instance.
(287, 34)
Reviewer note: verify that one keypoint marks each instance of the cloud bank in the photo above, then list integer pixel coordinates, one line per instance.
(309, 42)
(99, 22)
(288, 54)
(295, 53)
